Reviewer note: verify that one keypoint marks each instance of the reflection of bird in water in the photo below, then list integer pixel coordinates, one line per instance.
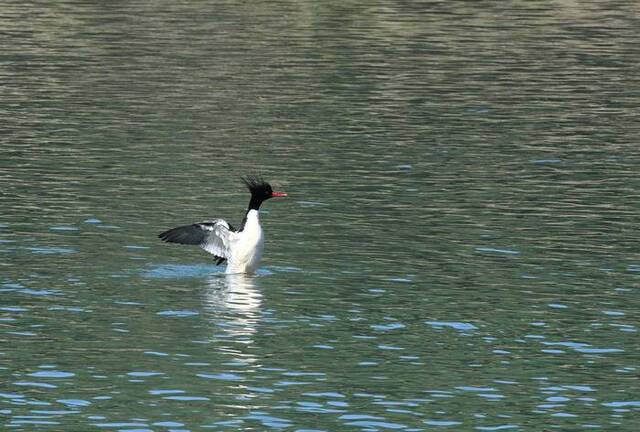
(236, 301)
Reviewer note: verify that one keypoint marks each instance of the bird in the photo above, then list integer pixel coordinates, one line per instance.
(241, 248)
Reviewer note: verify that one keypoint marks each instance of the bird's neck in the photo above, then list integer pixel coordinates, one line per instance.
(254, 204)
(253, 211)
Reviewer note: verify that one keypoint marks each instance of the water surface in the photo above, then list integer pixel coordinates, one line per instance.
(458, 250)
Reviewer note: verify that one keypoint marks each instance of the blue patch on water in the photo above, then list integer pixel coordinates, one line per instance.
(390, 347)
(491, 396)
(178, 271)
(22, 333)
(545, 161)
(260, 389)
(475, 389)
(584, 388)
(585, 348)
(68, 309)
(52, 374)
(170, 271)
(495, 428)
(128, 303)
(267, 420)
(221, 376)
(165, 392)
(144, 374)
(377, 424)
(186, 398)
(311, 203)
(51, 250)
(557, 399)
(53, 412)
(33, 422)
(599, 350)
(452, 324)
(574, 345)
(168, 424)
(11, 396)
(34, 384)
(156, 353)
(625, 327)
(225, 423)
(359, 417)
(324, 394)
(74, 402)
(137, 430)
(43, 292)
(92, 221)
(385, 327)
(477, 110)
(622, 404)
(286, 383)
(442, 422)
(612, 313)
(497, 251)
(63, 228)
(314, 409)
(119, 425)
(178, 313)
(13, 309)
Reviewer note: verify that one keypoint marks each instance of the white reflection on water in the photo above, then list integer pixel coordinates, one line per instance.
(239, 299)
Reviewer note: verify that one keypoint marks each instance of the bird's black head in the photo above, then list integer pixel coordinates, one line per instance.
(260, 190)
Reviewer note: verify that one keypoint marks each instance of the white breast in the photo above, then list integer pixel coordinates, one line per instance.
(246, 246)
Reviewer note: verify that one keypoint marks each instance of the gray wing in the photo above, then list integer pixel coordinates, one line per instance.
(212, 236)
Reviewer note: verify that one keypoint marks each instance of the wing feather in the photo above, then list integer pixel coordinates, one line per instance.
(212, 236)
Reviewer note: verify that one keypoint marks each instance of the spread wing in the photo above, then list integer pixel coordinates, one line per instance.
(212, 236)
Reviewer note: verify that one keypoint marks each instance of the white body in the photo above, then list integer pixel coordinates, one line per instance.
(245, 247)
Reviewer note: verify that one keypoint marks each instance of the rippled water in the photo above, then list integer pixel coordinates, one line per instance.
(458, 252)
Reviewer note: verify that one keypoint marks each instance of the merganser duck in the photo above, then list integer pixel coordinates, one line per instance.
(242, 247)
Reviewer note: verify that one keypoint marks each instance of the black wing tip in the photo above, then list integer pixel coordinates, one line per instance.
(176, 235)
(163, 236)
(167, 235)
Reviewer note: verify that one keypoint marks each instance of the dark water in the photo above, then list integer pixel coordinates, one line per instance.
(459, 250)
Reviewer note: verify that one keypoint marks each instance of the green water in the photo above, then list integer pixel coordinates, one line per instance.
(459, 249)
